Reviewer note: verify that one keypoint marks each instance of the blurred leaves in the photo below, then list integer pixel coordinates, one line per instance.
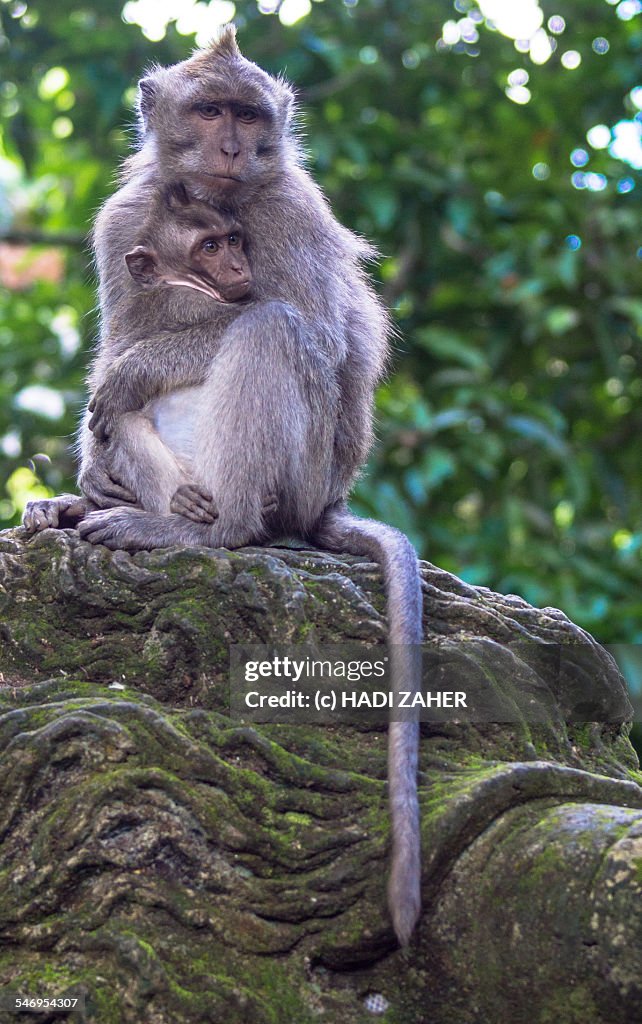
(508, 436)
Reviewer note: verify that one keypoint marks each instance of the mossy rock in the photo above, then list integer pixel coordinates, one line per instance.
(174, 865)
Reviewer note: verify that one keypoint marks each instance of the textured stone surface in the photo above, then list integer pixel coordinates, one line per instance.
(178, 866)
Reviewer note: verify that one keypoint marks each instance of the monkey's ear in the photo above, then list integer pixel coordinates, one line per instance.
(141, 264)
(176, 197)
(146, 98)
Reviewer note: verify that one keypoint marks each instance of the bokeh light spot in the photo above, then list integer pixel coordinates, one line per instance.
(571, 59)
(368, 55)
(599, 136)
(541, 171)
(625, 185)
(518, 93)
(627, 143)
(628, 9)
(541, 47)
(292, 11)
(579, 157)
(52, 82)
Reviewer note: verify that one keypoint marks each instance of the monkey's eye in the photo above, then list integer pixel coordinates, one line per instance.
(234, 240)
(247, 115)
(209, 110)
(210, 246)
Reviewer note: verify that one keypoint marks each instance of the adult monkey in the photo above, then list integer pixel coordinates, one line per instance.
(292, 376)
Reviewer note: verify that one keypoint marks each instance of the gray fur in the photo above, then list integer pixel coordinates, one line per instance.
(285, 382)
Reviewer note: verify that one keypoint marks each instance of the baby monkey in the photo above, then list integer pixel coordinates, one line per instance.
(187, 244)
(199, 248)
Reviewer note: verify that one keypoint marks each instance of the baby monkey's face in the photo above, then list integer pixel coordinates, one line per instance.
(194, 247)
(219, 259)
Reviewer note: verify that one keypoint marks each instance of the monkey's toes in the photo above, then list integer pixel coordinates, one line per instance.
(105, 527)
(120, 529)
(40, 515)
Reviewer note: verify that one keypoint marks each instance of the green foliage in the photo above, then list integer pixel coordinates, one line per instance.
(508, 435)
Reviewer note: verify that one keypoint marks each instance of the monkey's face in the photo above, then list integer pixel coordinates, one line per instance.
(217, 122)
(219, 260)
(228, 140)
(209, 260)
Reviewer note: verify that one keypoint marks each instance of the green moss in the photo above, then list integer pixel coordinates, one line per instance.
(297, 819)
(569, 1005)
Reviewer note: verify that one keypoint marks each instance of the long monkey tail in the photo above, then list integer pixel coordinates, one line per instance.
(339, 530)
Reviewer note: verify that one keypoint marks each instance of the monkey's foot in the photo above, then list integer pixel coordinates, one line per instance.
(51, 513)
(130, 529)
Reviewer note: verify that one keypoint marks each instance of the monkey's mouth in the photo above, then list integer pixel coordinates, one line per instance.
(234, 292)
(222, 177)
(230, 293)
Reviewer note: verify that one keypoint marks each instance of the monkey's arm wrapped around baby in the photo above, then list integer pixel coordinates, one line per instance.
(151, 367)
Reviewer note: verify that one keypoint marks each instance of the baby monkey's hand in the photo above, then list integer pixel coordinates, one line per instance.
(197, 504)
(194, 503)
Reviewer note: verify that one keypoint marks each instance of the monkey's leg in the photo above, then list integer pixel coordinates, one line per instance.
(266, 426)
(144, 464)
(148, 465)
(339, 530)
(95, 479)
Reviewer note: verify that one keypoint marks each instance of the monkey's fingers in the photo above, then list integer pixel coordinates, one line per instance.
(192, 512)
(101, 425)
(104, 490)
(196, 504)
(75, 509)
(270, 503)
(113, 488)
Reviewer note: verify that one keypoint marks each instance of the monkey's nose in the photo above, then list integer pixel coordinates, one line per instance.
(230, 148)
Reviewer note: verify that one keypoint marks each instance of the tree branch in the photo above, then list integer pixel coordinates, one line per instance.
(31, 236)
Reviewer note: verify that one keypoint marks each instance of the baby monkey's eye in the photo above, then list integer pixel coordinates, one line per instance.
(210, 246)
(234, 239)
(247, 115)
